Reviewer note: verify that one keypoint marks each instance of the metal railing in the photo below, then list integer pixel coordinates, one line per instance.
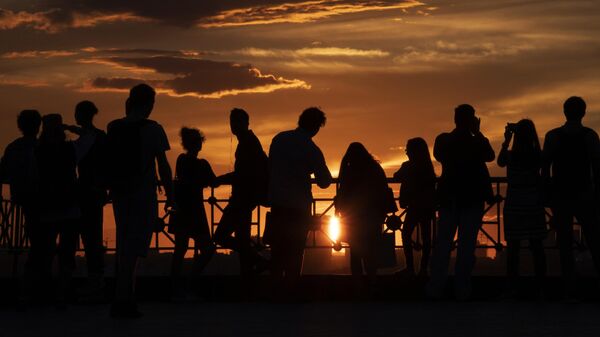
(13, 236)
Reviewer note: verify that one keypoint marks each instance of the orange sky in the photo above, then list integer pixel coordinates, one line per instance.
(383, 71)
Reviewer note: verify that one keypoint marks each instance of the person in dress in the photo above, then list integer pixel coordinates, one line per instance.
(524, 214)
(192, 175)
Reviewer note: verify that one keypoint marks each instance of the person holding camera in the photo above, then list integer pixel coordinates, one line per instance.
(463, 188)
(524, 214)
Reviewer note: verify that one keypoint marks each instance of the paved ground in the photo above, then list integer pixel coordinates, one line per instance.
(314, 319)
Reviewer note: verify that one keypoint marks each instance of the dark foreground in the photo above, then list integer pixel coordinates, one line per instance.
(327, 308)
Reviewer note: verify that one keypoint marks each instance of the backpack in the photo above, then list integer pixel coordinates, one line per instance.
(125, 171)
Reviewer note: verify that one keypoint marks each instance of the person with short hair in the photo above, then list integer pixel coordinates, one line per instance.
(93, 195)
(293, 158)
(571, 169)
(248, 182)
(18, 169)
(462, 190)
(136, 146)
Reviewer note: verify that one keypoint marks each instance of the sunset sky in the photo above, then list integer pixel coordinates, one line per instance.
(383, 71)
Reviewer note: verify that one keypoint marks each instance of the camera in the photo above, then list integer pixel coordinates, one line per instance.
(512, 127)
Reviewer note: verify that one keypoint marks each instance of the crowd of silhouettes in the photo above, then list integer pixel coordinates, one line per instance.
(63, 185)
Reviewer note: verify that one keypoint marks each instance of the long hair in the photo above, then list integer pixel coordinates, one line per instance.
(526, 145)
(419, 154)
(52, 129)
(357, 162)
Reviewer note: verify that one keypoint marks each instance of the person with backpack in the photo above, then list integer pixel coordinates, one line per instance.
(571, 170)
(135, 147)
(417, 195)
(192, 175)
(248, 182)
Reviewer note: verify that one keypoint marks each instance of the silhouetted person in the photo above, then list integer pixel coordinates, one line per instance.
(58, 194)
(293, 158)
(248, 189)
(18, 168)
(524, 214)
(462, 189)
(92, 195)
(417, 196)
(192, 175)
(136, 146)
(361, 201)
(571, 164)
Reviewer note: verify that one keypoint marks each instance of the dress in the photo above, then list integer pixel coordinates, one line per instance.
(192, 176)
(524, 216)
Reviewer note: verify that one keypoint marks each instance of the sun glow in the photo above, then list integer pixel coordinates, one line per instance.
(334, 228)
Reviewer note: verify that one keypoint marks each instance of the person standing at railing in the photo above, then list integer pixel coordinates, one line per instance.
(571, 169)
(417, 196)
(363, 200)
(524, 214)
(462, 190)
(192, 175)
(293, 158)
(249, 183)
(59, 200)
(18, 168)
(92, 196)
(135, 147)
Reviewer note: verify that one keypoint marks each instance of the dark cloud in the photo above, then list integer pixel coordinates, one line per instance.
(54, 15)
(197, 77)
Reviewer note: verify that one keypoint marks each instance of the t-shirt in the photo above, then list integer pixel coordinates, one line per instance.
(293, 157)
(18, 168)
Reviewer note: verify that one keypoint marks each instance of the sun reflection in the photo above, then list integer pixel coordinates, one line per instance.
(334, 229)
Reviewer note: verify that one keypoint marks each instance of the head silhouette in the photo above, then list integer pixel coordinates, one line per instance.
(141, 101)
(52, 129)
(29, 122)
(526, 140)
(464, 115)
(239, 121)
(418, 153)
(574, 108)
(85, 112)
(311, 120)
(357, 160)
(191, 139)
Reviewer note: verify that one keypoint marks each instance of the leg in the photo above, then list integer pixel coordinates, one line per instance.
(426, 224)
(469, 225)
(513, 248)
(227, 226)
(539, 260)
(587, 217)
(181, 246)
(356, 267)
(67, 247)
(244, 238)
(92, 237)
(410, 223)
(441, 252)
(563, 222)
